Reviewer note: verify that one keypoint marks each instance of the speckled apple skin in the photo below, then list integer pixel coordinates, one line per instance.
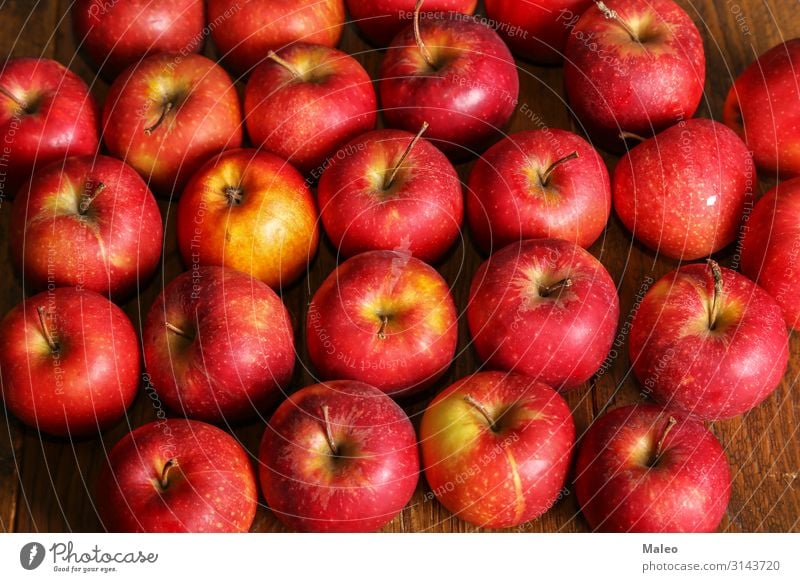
(712, 374)
(113, 247)
(763, 106)
(506, 201)
(119, 34)
(63, 123)
(249, 30)
(344, 323)
(619, 491)
(683, 192)
(466, 101)
(421, 212)
(561, 339)
(363, 488)
(206, 119)
(240, 356)
(211, 490)
(500, 477)
(305, 120)
(616, 84)
(771, 247)
(86, 386)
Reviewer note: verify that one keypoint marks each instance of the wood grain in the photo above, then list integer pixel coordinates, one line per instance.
(47, 484)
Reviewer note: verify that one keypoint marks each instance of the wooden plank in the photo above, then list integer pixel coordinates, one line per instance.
(58, 478)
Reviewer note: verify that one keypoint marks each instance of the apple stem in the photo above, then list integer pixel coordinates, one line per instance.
(543, 178)
(418, 37)
(175, 329)
(234, 194)
(382, 328)
(329, 430)
(631, 135)
(168, 466)
(660, 446)
(612, 15)
(165, 109)
(482, 409)
(54, 347)
(716, 302)
(89, 198)
(411, 145)
(547, 290)
(285, 64)
(6, 93)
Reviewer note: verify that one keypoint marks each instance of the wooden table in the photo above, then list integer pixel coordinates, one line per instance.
(47, 484)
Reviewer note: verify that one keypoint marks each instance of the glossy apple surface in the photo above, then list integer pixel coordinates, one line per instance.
(711, 345)
(683, 192)
(175, 476)
(251, 211)
(538, 184)
(338, 457)
(46, 114)
(365, 205)
(384, 318)
(496, 448)
(641, 469)
(70, 364)
(87, 221)
(545, 308)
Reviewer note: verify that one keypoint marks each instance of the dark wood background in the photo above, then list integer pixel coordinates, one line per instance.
(48, 484)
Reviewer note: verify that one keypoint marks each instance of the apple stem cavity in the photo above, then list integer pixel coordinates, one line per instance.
(329, 430)
(612, 15)
(176, 330)
(716, 300)
(21, 104)
(168, 466)
(548, 290)
(165, 109)
(382, 329)
(402, 159)
(544, 178)
(88, 197)
(234, 194)
(482, 409)
(54, 347)
(285, 64)
(660, 446)
(426, 54)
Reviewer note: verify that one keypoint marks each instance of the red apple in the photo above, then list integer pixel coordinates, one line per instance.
(771, 248)
(763, 106)
(338, 457)
(546, 183)
(118, 34)
(218, 345)
(384, 318)
(247, 31)
(381, 20)
(168, 114)
(70, 362)
(458, 76)
(388, 190)
(496, 448)
(251, 211)
(536, 30)
(87, 221)
(641, 469)
(683, 192)
(708, 341)
(306, 101)
(639, 71)
(46, 114)
(545, 308)
(174, 476)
